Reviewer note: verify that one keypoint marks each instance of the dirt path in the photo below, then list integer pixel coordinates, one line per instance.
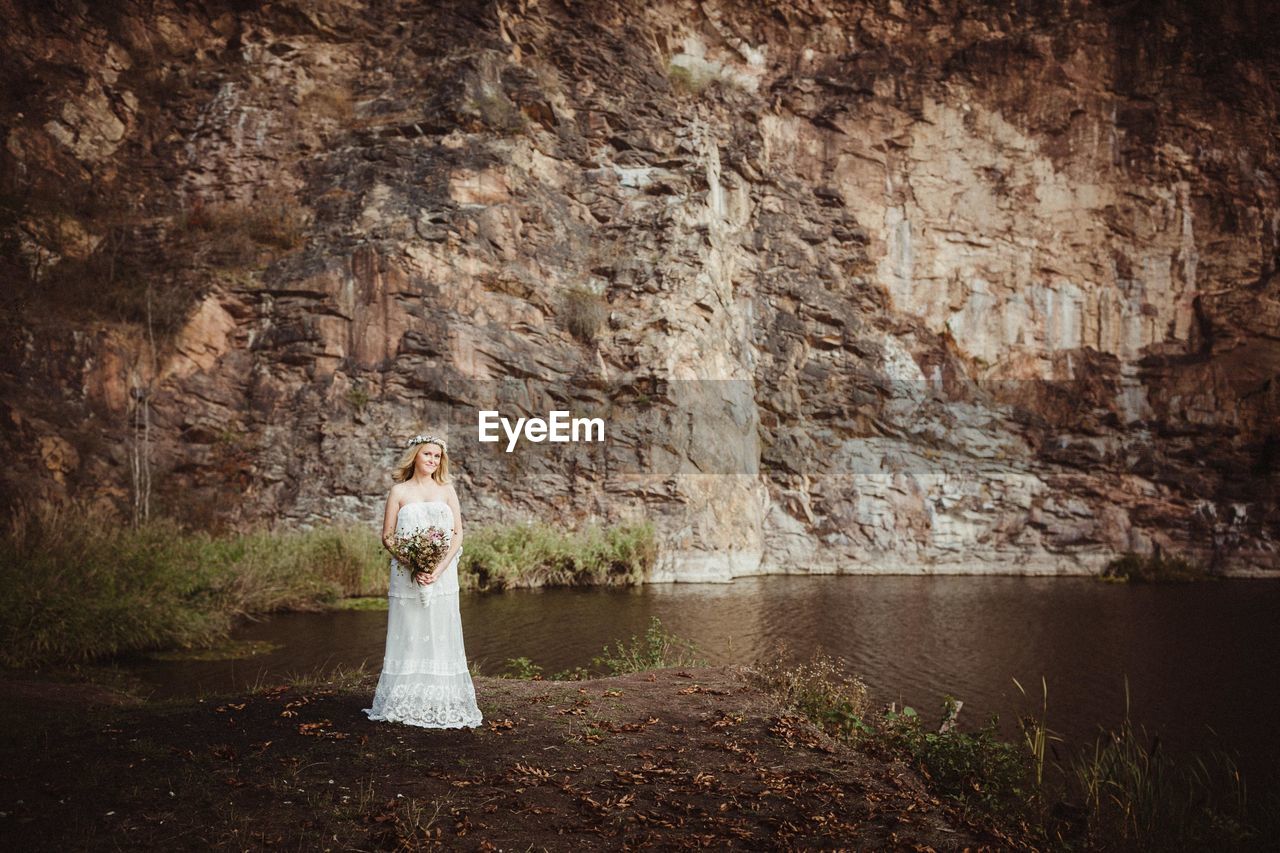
(670, 758)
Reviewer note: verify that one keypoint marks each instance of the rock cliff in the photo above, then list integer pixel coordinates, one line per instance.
(941, 286)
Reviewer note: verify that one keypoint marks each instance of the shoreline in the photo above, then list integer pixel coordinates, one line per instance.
(930, 571)
(664, 752)
(706, 570)
(655, 757)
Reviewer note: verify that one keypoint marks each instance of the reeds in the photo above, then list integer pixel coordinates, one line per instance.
(1035, 730)
(536, 554)
(1123, 792)
(77, 586)
(1138, 796)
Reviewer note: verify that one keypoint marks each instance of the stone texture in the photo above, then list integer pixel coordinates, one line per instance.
(999, 284)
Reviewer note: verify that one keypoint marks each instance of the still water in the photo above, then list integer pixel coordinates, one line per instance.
(1200, 659)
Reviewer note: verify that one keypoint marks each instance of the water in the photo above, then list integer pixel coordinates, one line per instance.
(1199, 658)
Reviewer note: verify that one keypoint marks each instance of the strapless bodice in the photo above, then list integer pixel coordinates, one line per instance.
(416, 516)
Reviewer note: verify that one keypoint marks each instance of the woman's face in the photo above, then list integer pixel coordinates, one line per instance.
(428, 459)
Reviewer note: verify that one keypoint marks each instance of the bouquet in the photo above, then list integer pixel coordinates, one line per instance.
(421, 551)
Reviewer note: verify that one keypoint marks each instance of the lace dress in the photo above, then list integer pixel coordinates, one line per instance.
(425, 680)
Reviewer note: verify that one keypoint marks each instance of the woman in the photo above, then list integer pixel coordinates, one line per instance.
(424, 680)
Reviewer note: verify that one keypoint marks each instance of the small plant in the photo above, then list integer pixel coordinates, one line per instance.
(820, 690)
(585, 313)
(657, 649)
(358, 397)
(229, 438)
(975, 768)
(522, 668)
(577, 673)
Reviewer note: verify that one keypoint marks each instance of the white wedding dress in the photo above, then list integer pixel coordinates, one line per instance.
(425, 680)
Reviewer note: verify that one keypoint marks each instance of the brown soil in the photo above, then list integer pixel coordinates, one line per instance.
(669, 758)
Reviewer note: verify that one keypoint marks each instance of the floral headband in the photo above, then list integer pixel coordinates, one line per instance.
(428, 439)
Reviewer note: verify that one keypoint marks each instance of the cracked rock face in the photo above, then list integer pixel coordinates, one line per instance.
(885, 287)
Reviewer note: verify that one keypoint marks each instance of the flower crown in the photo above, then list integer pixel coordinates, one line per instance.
(428, 439)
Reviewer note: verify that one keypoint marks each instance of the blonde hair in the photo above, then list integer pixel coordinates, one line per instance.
(409, 459)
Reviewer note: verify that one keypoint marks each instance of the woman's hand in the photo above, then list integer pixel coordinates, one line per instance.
(430, 577)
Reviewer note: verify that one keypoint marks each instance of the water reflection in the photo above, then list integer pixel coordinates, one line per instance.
(1195, 656)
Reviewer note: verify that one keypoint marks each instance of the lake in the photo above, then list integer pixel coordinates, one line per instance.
(1199, 658)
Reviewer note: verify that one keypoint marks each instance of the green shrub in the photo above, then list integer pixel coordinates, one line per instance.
(657, 649)
(358, 397)
(78, 586)
(1154, 568)
(975, 768)
(508, 556)
(577, 673)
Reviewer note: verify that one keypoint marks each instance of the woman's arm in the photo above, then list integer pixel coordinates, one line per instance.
(455, 544)
(389, 518)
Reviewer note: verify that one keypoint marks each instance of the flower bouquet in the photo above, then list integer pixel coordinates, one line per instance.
(421, 551)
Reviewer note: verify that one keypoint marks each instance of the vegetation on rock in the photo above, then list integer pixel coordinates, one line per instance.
(1155, 568)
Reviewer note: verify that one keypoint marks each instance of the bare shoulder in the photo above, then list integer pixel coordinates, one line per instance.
(396, 495)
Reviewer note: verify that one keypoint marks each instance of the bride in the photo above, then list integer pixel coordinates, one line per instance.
(424, 680)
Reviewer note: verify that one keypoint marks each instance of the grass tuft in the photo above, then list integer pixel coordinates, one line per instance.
(585, 313)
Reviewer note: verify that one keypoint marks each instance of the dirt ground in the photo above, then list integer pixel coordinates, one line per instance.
(672, 758)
